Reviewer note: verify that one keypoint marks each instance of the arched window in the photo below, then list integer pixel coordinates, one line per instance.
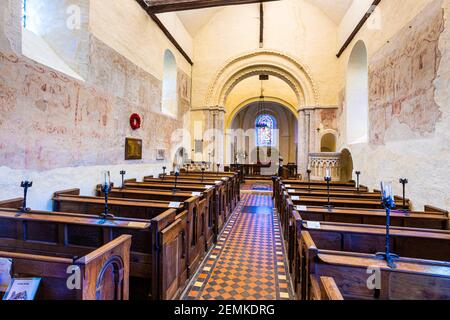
(357, 95)
(169, 86)
(265, 126)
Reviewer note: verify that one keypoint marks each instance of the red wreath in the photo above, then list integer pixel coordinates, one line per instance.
(135, 121)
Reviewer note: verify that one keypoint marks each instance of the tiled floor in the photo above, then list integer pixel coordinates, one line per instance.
(248, 262)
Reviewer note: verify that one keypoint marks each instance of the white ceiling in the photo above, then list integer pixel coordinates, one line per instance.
(194, 20)
(334, 9)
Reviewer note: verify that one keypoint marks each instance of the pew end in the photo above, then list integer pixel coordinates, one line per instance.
(436, 210)
(11, 203)
(325, 289)
(104, 272)
(73, 192)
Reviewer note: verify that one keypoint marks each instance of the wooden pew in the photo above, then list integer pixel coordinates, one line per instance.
(104, 272)
(232, 183)
(221, 189)
(406, 242)
(71, 201)
(192, 203)
(158, 258)
(325, 289)
(12, 203)
(232, 176)
(319, 183)
(279, 189)
(412, 279)
(412, 219)
(219, 218)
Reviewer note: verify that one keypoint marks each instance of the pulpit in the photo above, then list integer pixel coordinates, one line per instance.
(319, 162)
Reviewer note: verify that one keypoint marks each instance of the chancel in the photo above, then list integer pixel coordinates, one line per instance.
(224, 150)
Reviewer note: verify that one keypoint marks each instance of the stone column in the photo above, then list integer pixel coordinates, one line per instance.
(303, 147)
(217, 128)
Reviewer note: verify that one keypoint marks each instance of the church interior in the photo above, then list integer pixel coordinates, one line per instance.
(224, 150)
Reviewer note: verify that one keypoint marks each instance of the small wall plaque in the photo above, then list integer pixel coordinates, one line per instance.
(160, 154)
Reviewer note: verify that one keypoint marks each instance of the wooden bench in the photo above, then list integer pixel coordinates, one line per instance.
(158, 262)
(221, 190)
(416, 279)
(232, 183)
(193, 203)
(407, 242)
(71, 201)
(325, 289)
(412, 219)
(233, 177)
(219, 217)
(104, 272)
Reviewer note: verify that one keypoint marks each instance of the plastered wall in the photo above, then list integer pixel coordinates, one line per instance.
(409, 77)
(61, 132)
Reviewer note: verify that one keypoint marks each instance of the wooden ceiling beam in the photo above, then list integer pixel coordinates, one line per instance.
(361, 23)
(161, 6)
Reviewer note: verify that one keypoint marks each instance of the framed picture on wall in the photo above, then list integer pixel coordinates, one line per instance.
(133, 149)
(161, 154)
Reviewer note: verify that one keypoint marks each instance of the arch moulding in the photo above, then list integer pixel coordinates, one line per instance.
(274, 63)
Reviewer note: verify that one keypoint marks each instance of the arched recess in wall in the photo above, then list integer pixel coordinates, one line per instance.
(346, 165)
(328, 142)
(180, 158)
(357, 95)
(243, 142)
(169, 102)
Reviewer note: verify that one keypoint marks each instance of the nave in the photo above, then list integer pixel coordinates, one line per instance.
(249, 260)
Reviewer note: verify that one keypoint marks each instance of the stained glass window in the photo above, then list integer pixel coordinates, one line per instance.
(265, 125)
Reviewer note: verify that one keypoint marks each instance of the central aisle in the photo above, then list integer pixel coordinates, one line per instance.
(248, 262)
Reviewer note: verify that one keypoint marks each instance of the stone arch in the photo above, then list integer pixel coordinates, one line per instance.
(277, 64)
(230, 116)
(346, 165)
(324, 136)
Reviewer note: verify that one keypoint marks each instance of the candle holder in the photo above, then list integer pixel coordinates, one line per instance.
(106, 189)
(203, 174)
(309, 179)
(389, 204)
(358, 173)
(25, 185)
(177, 174)
(218, 168)
(328, 206)
(123, 173)
(164, 173)
(188, 166)
(404, 182)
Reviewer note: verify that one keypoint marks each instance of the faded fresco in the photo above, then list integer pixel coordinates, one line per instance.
(48, 120)
(401, 77)
(329, 118)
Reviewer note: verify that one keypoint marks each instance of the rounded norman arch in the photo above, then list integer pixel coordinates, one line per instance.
(346, 165)
(328, 138)
(277, 64)
(232, 115)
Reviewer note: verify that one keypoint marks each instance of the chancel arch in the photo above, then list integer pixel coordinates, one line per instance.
(273, 63)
